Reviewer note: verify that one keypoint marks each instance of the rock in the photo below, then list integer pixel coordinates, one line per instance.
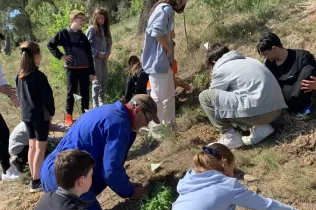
(309, 160)
(254, 189)
(250, 178)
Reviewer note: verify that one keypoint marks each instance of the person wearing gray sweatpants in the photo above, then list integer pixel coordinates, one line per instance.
(243, 93)
(100, 39)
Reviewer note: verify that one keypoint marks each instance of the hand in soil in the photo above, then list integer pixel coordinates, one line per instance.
(137, 184)
(139, 192)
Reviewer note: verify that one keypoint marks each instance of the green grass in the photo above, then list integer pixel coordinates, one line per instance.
(161, 198)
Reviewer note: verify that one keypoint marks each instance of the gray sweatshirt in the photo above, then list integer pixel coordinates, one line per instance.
(99, 43)
(244, 87)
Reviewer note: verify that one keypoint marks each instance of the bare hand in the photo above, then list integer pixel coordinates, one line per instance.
(308, 85)
(106, 56)
(139, 192)
(67, 58)
(137, 184)
(14, 100)
(185, 86)
(169, 53)
(92, 77)
(101, 56)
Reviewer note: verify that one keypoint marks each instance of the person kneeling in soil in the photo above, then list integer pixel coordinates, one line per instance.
(210, 185)
(107, 133)
(73, 171)
(243, 93)
(19, 144)
(293, 69)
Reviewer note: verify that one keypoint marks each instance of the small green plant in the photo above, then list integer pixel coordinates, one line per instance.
(201, 81)
(160, 199)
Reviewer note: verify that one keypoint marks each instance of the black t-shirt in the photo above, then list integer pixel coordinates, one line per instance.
(299, 65)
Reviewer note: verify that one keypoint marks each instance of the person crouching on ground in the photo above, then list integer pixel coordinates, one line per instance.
(107, 133)
(243, 93)
(210, 185)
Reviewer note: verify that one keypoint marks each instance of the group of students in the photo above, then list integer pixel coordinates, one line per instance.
(238, 102)
(244, 93)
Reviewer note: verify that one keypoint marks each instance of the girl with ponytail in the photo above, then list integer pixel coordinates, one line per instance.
(37, 107)
(210, 185)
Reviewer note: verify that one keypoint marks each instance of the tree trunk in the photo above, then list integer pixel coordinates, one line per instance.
(143, 20)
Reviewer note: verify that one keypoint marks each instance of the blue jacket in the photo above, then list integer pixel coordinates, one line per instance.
(160, 23)
(105, 133)
(214, 190)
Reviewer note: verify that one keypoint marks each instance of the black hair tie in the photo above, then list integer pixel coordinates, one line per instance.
(24, 49)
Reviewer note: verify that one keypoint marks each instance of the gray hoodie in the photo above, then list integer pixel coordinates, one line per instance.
(244, 87)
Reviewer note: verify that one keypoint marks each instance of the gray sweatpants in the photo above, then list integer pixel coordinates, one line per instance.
(100, 81)
(208, 100)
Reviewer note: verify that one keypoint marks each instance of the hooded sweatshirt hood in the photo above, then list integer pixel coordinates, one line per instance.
(193, 181)
(214, 190)
(230, 56)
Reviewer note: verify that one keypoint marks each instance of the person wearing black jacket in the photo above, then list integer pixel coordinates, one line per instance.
(78, 61)
(137, 79)
(73, 171)
(290, 67)
(37, 108)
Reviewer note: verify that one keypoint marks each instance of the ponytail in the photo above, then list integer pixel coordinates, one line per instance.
(27, 64)
(210, 158)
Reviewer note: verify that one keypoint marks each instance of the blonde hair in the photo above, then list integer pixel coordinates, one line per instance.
(94, 22)
(74, 14)
(27, 65)
(210, 158)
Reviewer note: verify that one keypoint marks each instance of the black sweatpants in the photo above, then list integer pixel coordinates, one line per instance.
(75, 76)
(296, 99)
(4, 145)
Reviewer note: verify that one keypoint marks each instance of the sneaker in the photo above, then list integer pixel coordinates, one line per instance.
(16, 163)
(257, 134)
(231, 139)
(36, 187)
(11, 175)
(68, 120)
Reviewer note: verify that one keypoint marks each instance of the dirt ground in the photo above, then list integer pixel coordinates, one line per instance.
(284, 164)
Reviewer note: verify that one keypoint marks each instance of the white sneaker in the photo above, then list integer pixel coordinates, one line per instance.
(231, 139)
(11, 175)
(257, 134)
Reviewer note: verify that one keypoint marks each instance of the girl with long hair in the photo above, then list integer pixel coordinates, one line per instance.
(37, 108)
(100, 39)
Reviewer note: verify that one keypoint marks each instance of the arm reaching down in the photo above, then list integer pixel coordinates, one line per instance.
(113, 161)
(248, 199)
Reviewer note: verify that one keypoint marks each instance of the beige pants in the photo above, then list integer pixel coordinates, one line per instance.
(207, 100)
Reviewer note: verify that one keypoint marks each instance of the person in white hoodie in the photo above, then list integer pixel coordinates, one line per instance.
(243, 93)
(209, 185)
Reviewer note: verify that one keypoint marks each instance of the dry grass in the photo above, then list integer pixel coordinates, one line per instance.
(284, 164)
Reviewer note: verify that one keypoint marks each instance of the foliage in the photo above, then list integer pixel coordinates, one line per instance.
(160, 199)
(117, 75)
(128, 9)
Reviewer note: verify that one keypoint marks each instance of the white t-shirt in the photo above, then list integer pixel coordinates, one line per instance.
(2, 80)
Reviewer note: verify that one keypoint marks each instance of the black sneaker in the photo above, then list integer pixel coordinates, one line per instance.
(37, 187)
(15, 162)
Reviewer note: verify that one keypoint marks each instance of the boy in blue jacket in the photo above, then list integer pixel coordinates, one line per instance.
(107, 133)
